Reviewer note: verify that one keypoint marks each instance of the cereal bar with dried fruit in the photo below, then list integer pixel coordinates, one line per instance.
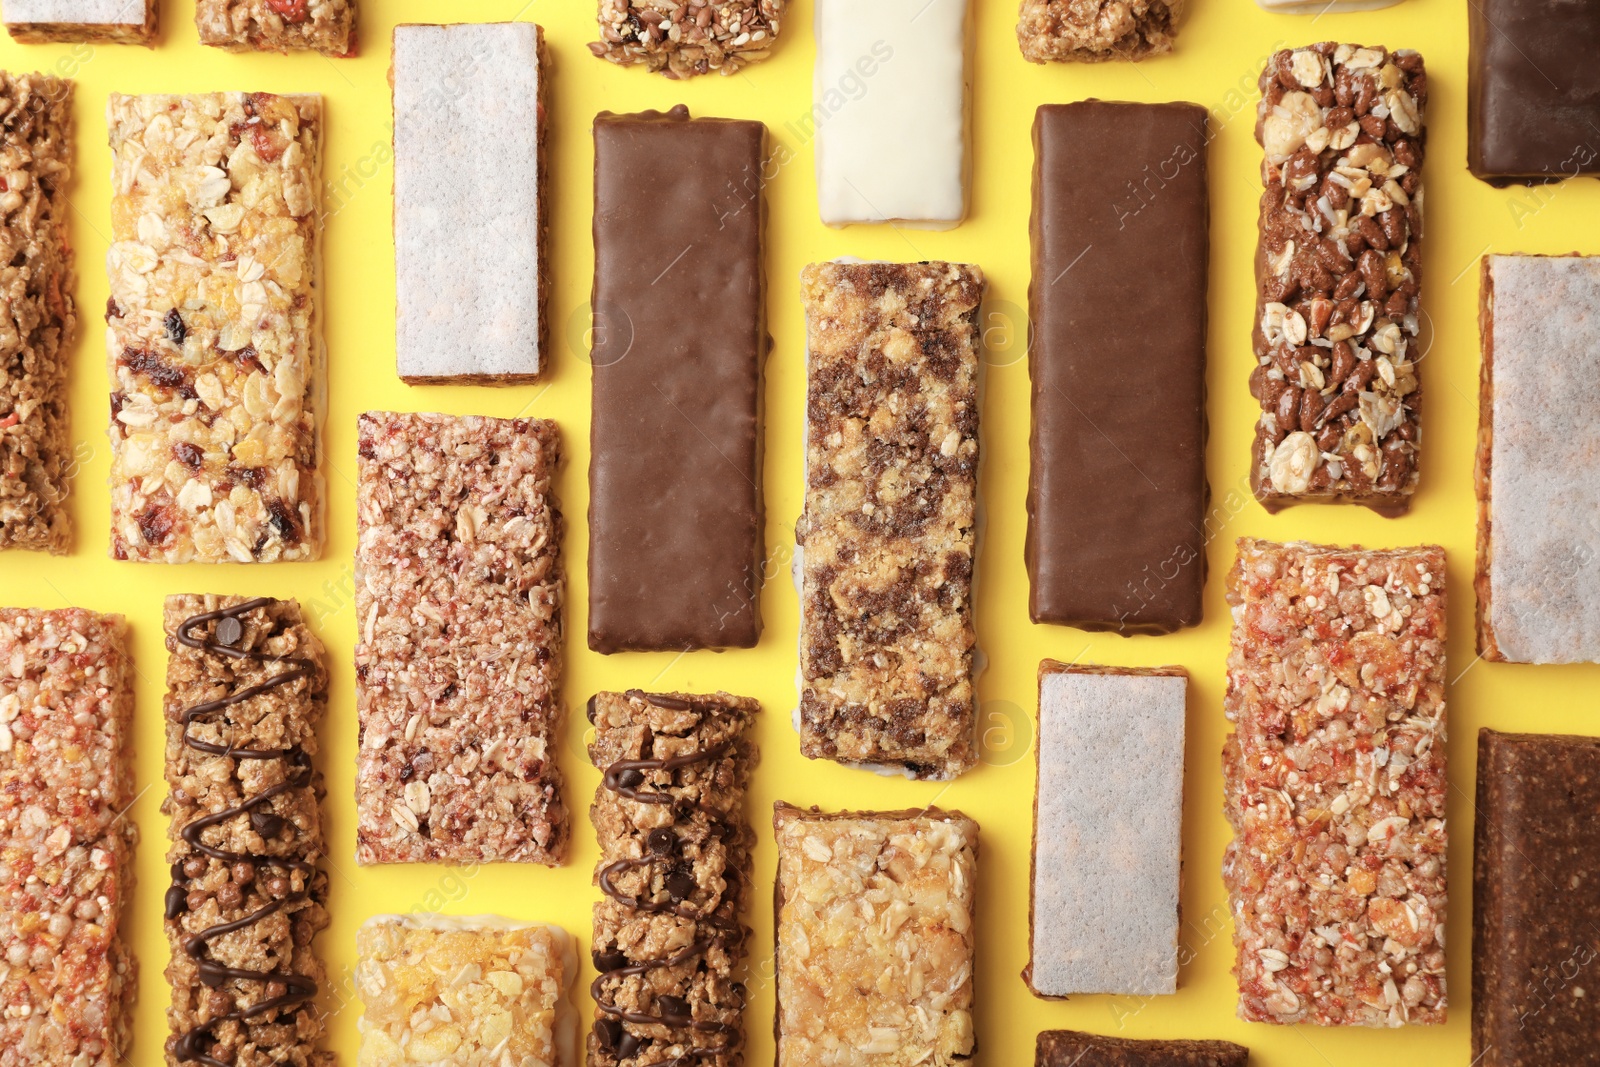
(887, 537)
(246, 690)
(467, 991)
(212, 328)
(1088, 31)
(67, 21)
(669, 936)
(1338, 270)
(326, 26)
(67, 979)
(458, 657)
(1334, 783)
(875, 930)
(680, 40)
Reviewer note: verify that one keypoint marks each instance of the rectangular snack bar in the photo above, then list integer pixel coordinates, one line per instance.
(1535, 900)
(1117, 487)
(1338, 270)
(1334, 783)
(246, 689)
(887, 537)
(674, 871)
(66, 21)
(458, 660)
(881, 157)
(37, 300)
(1068, 1048)
(1538, 577)
(1107, 831)
(469, 202)
(67, 977)
(213, 331)
(1089, 31)
(675, 509)
(1533, 91)
(875, 934)
(326, 26)
(1323, 7)
(475, 989)
(681, 41)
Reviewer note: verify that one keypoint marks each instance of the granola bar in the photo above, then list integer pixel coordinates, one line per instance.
(1089, 31)
(1338, 270)
(886, 632)
(1334, 783)
(246, 690)
(458, 593)
(682, 40)
(68, 21)
(326, 26)
(1068, 1048)
(67, 978)
(37, 305)
(469, 991)
(875, 931)
(212, 328)
(1323, 7)
(674, 868)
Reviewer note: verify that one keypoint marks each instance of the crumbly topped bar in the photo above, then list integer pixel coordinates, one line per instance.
(458, 593)
(681, 40)
(38, 305)
(326, 26)
(67, 980)
(68, 21)
(246, 691)
(1094, 30)
(669, 940)
(1338, 270)
(875, 937)
(1068, 1048)
(212, 328)
(888, 530)
(1334, 781)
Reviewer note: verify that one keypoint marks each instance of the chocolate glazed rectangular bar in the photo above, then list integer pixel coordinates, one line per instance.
(679, 339)
(1117, 489)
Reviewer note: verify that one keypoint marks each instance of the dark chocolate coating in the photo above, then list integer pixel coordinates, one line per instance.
(1068, 1048)
(1117, 491)
(675, 509)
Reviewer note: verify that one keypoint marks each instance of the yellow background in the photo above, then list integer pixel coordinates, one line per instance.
(1220, 52)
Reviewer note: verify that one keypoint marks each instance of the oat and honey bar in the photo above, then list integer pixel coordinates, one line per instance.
(681, 40)
(875, 931)
(246, 690)
(467, 991)
(674, 871)
(1089, 31)
(1334, 783)
(58, 21)
(458, 658)
(67, 979)
(326, 26)
(887, 537)
(213, 332)
(1069, 1048)
(1338, 270)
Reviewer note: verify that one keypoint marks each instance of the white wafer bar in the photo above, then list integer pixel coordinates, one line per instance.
(53, 21)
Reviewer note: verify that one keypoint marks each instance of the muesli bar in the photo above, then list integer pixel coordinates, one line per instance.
(464, 990)
(875, 936)
(67, 978)
(674, 871)
(1089, 31)
(458, 656)
(680, 41)
(71, 21)
(326, 26)
(246, 691)
(35, 445)
(1338, 270)
(1069, 1048)
(213, 332)
(887, 537)
(1334, 783)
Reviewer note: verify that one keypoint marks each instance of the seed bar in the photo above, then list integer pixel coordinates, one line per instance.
(1334, 783)
(675, 510)
(1117, 490)
(674, 871)
(213, 330)
(875, 936)
(326, 26)
(470, 202)
(1068, 1048)
(71, 21)
(458, 593)
(887, 537)
(246, 690)
(67, 978)
(1338, 270)
(681, 41)
(478, 989)
(1089, 31)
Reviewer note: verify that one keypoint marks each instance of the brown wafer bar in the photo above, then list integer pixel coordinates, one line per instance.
(326, 26)
(674, 868)
(1067, 1048)
(1338, 270)
(246, 690)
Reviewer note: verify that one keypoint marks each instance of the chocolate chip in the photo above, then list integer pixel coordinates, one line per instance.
(229, 631)
(176, 331)
(177, 871)
(609, 1031)
(673, 1008)
(265, 823)
(627, 1046)
(177, 901)
(590, 714)
(663, 842)
(630, 779)
(680, 885)
(606, 962)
